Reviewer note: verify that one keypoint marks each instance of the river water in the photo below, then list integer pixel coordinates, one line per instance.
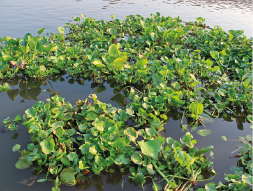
(20, 17)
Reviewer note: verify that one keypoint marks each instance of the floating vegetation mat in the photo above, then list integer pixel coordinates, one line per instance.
(164, 64)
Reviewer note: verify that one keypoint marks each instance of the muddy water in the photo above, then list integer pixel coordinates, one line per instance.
(20, 17)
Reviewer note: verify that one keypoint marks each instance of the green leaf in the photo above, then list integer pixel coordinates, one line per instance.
(210, 187)
(70, 132)
(59, 132)
(150, 131)
(153, 36)
(224, 138)
(41, 31)
(151, 148)
(139, 179)
(47, 145)
(23, 162)
(121, 159)
(57, 124)
(42, 180)
(119, 142)
(61, 30)
(43, 40)
(81, 164)
(247, 79)
(215, 55)
(156, 187)
(30, 146)
(17, 118)
(6, 120)
(83, 16)
(5, 57)
(236, 169)
(150, 169)
(196, 108)
(204, 132)
(113, 50)
(56, 189)
(249, 138)
(53, 48)
(131, 133)
(182, 157)
(194, 79)
(250, 118)
(84, 148)
(187, 28)
(112, 31)
(98, 63)
(118, 63)
(82, 127)
(16, 148)
(67, 176)
(172, 185)
(141, 64)
(77, 19)
(72, 156)
(30, 112)
(157, 79)
(91, 116)
(12, 127)
(7, 38)
(93, 150)
(130, 111)
(247, 178)
(136, 157)
(4, 87)
(204, 150)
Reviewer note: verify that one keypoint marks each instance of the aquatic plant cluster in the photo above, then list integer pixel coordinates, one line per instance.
(165, 65)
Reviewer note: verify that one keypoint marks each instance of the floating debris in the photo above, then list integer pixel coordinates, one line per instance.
(29, 182)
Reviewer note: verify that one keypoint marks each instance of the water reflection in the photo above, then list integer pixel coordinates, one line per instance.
(30, 89)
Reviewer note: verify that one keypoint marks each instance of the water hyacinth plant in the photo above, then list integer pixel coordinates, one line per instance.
(164, 65)
(69, 141)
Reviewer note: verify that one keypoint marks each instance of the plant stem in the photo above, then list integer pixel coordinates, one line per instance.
(160, 172)
(231, 111)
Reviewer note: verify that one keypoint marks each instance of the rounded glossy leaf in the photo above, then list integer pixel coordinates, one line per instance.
(23, 162)
(16, 148)
(47, 145)
(113, 50)
(137, 158)
(139, 179)
(67, 176)
(151, 148)
(112, 31)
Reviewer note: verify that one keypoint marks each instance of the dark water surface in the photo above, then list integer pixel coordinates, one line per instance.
(20, 17)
